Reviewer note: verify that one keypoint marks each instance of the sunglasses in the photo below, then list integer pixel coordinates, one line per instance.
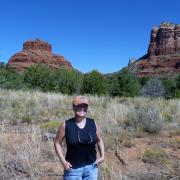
(85, 106)
(85, 142)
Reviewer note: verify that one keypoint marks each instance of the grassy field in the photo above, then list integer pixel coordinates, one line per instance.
(142, 136)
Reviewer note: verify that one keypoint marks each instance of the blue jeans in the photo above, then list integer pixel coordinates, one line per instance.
(88, 172)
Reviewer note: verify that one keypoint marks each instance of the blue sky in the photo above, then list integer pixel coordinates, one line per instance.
(91, 34)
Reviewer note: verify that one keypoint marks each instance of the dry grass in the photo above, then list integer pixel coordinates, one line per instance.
(125, 124)
(26, 155)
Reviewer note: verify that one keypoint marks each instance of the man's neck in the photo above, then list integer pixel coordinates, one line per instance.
(79, 119)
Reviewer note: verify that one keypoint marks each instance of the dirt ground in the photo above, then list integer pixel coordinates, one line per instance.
(125, 161)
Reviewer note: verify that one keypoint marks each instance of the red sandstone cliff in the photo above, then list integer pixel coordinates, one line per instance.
(34, 52)
(163, 53)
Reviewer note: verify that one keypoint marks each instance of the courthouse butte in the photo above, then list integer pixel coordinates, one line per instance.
(163, 56)
(37, 51)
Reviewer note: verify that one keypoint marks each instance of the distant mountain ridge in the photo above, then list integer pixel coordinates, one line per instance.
(163, 54)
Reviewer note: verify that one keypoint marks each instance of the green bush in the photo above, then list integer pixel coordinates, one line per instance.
(94, 83)
(143, 80)
(177, 93)
(26, 119)
(124, 84)
(10, 79)
(170, 88)
(50, 126)
(67, 81)
(38, 77)
(178, 82)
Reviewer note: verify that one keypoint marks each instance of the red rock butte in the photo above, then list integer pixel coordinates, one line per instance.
(163, 54)
(37, 51)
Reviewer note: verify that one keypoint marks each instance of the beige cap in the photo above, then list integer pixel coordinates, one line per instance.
(80, 100)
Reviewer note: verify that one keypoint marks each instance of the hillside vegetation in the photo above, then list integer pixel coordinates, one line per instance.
(121, 84)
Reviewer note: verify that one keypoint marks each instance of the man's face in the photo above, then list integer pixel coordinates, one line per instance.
(80, 110)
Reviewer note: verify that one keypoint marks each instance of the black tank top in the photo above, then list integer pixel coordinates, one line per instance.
(81, 143)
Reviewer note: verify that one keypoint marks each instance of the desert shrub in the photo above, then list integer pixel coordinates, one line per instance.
(145, 118)
(26, 119)
(151, 121)
(94, 83)
(153, 88)
(167, 116)
(154, 156)
(50, 126)
(124, 84)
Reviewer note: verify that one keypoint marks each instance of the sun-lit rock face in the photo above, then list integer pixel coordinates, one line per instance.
(163, 53)
(37, 51)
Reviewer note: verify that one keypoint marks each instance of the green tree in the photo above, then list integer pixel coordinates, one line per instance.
(170, 88)
(178, 82)
(124, 84)
(10, 79)
(94, 83)
(177, 91)
(143, 80)
(38, 76)
(67, 81)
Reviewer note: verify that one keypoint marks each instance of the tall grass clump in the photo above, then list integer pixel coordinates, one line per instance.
(33, 107)
(21, 154)
(154, 156)
(146, 118)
